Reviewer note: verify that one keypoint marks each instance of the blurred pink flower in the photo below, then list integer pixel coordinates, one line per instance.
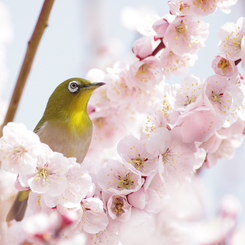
(146, 74)
(19, 149)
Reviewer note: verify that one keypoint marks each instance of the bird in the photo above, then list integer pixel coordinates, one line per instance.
(65, 127)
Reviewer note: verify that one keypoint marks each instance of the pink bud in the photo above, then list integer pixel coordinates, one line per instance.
(142, 48)
(160, 27)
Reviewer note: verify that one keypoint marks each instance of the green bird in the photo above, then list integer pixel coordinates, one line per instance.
(65, 127)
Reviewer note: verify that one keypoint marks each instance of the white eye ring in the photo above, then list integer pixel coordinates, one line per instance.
(73, 86)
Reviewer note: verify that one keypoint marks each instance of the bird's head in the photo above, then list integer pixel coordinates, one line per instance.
(69, 97)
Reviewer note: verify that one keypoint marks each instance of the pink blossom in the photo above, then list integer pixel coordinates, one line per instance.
(109, 126)
(148, 200)
(187, 95)
(119, 90)
(146, 74)
(145, 99)
(232, 37)
(186, 35)
(203, 8)
(37, 204)
(161, 116)
(223, 143)
(119, 208)
(198, 124)
(49, 176)
(91, 216)
(160, 27)
(142, 47)
(19, 149)
(117, 178)
(222, 97)
(176, 64)
(134, 152)
(224, 5)
(179, 7)
(79, 184)
(177, 159)
(223, 66)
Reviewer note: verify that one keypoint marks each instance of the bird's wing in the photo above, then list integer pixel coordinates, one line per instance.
(40, 126)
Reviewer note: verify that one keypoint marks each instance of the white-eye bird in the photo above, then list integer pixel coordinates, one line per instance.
(65, 127)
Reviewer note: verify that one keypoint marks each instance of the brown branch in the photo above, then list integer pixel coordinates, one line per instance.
(160, 46)
(42, 23)
(238, 61)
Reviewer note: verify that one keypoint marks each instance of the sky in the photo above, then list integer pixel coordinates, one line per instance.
(67, 50)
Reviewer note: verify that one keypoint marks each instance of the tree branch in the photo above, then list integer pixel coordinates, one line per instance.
(42, 23)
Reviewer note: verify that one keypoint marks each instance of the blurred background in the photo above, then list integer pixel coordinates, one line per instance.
(82, 35)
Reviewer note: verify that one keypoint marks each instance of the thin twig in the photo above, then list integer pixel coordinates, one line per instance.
(42, 23)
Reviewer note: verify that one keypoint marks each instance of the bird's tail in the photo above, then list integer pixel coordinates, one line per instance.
(17, 211)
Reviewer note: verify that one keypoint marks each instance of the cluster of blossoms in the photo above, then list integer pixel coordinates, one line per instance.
(172, 131)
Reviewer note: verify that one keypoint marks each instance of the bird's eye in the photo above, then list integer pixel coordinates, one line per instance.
(73, 86)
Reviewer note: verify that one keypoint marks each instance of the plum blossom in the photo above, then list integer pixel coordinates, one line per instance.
(161, 116)
(198, 124)
(179, 7)
(203, 8)
(223, 66)
(79, 184)
(223, 143)
(49, 176)
(187, 95)
(91, 216)
(223, 97)
(134, 152)
(119, 208)
(119, 90)
(186, 35)
(146, 74)
(232, 38)
(224, 5)
(117, 178)
(19, 149)
(177, 160)
(108, 127)
(142, 47)
(147, 200)
(176, 64)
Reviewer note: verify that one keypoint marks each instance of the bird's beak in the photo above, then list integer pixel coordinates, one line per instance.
(95, 85)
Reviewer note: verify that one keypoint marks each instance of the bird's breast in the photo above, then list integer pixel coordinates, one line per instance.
(72, 137)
